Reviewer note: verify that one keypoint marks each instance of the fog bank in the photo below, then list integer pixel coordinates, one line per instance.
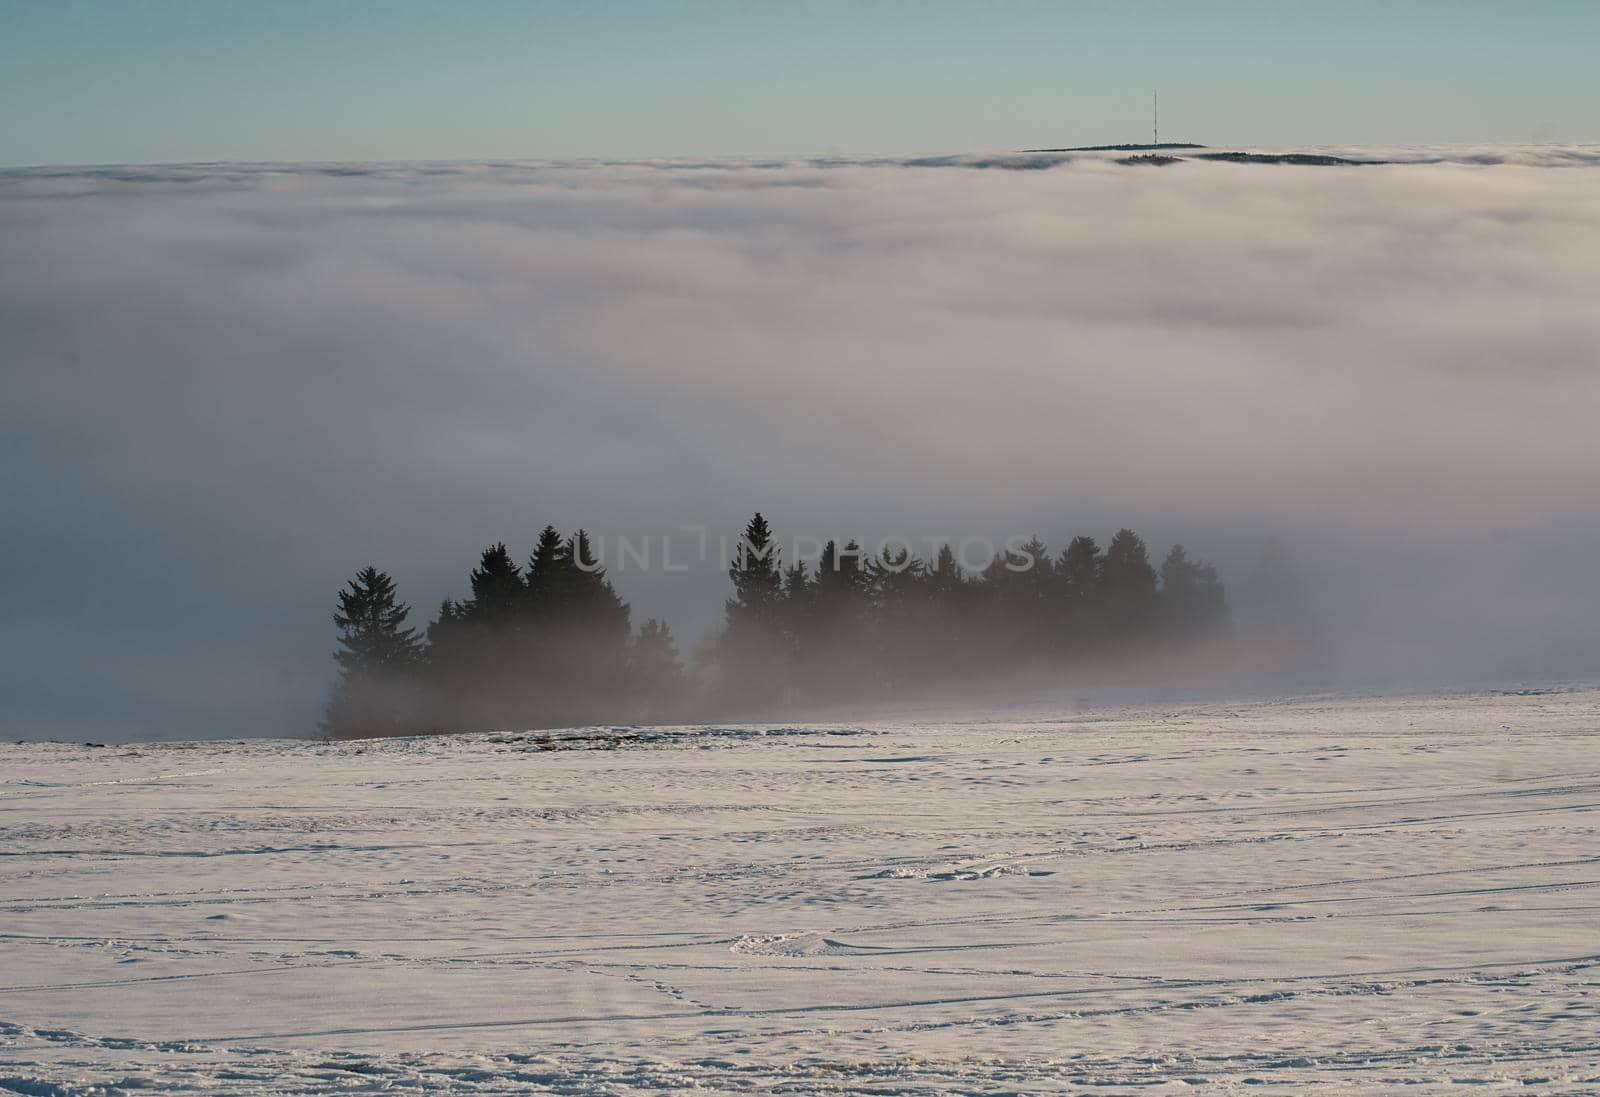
(228, 387)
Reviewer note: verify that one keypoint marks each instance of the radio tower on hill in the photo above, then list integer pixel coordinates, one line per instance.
(1155, 117)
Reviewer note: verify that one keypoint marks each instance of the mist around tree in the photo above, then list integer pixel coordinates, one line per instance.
(548, 642)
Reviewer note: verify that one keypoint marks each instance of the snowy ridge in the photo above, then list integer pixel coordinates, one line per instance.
(1353, 894)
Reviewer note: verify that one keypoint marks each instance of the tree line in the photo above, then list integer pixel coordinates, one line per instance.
(549, 643)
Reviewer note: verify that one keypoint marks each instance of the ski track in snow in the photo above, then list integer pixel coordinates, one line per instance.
(1349, 894)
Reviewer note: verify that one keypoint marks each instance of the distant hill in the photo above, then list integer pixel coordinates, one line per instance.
(1123, 148)
(1151, 155)
(1313, 159)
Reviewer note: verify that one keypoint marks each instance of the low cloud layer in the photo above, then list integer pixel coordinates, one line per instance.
(227, 387)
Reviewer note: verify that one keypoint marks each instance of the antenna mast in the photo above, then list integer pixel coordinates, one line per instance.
(1155, 117)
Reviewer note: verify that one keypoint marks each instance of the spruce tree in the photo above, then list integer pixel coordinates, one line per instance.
(834, 659)
(598, 617)
(1028, 591)
(655, 653)
(944, 571)
(1128, 585)
(839, 587)
(378, 659)
(550, 574)
(497, 589)
(657, 673)
(794, 606)
(752, 649)
(756, 574)
(1079, 570)
(1194, 610)
(1078, 586)
(1180, 590)
(1211, 600)
(899, 596)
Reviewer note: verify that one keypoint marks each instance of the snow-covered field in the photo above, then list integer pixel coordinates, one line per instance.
(1360, 894)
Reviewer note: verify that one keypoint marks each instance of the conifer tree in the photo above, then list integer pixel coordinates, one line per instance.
(442, 629)
(893, 579)
(899, 597)
(1077, 582)
(830, 646)
(1194, 611)
(550, 574)
(655, 653)
(936, 638)
(753, 648)
(378, 657)
(1181, 591)
(794, 606)
(944, 571)
(1037, 564)
(497, 589)
(1128, 583)
(1028, 590)
(657, 673)
(1211, 600)
(756, 574)
(593, 597)
(599, 615)
(839, 585)
(1079, 570)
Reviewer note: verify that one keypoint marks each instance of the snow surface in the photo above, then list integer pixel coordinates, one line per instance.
(1357, 894)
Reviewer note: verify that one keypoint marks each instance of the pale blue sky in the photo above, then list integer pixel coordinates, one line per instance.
(122, 81)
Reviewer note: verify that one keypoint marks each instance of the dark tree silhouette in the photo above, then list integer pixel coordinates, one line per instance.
(756, 575)
(900, 594)
(1192, 601)
(552, 645)
(752, 650)
(550, 573)
(476, 647)
(796, 592)
(377, 656)
(1128, 585)
(497, 590)
(591, 635)
(1079, 570)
